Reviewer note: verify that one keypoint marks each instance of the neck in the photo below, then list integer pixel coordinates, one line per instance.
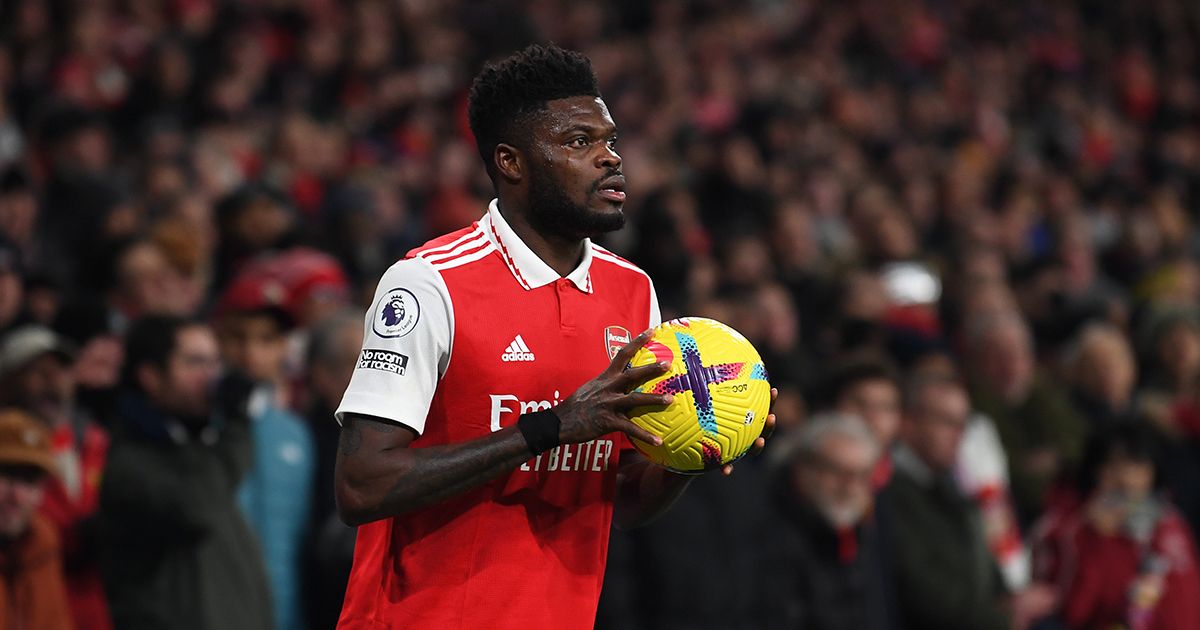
(562, 254)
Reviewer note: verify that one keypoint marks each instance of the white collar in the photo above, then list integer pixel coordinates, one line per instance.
(529, 270)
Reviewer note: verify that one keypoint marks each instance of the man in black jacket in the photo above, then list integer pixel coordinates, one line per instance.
(825, 570)
(179, 554)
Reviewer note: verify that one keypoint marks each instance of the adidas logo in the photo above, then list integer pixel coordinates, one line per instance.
(517, 351)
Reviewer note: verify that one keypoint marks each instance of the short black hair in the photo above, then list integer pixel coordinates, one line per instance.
(1132, 440)
(506, 92)
(151, 340)
(850, 370)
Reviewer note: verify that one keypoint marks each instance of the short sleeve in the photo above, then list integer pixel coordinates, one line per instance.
(655, 312)
(407, 336)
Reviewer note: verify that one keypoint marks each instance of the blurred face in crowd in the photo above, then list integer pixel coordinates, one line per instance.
(837, 479)
(262, 223)
(182, 387)
(12, 295)
(98, 365)
(1127, 477)
(1003, 359)
(148, 284)
(21, 489)
(255, 344)
(877, 402)
(46, 387)
(574, 184)
(1178, 353)
(1105, 369)
(18, 215)
(934, 425)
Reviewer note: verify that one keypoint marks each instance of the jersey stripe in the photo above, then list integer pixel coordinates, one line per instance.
(466, 258)
(452, 244)
(512, 266)
(466, 248)
(605, 255)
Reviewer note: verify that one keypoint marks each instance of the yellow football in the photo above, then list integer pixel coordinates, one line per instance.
(722, 396)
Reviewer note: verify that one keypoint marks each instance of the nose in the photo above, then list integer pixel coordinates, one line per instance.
(609, 158)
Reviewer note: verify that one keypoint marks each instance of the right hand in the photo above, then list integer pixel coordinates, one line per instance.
(600, 406)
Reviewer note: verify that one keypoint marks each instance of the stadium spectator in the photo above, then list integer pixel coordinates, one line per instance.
(1101, 372)
(1169, 400)
(1122, 555)
(655, 580)
(276, 493)
(332, 353)
(826, 567)
(945, 575)
(34, 595)
(1035, 159)
(12, 286)
(169, 514)
(982, 474)
(868, 388)
(1039, 429)
(36, 377)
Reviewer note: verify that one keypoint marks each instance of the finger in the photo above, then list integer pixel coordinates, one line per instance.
(757, 447)
(774, 395)
(625, 354)
(638, 433)
(727, 469)
(769, 426)
(639, 399)
(633, 377)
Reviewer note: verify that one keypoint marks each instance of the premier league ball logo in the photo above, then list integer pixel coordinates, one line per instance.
(397, 314)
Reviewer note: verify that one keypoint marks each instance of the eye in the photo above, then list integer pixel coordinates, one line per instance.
(578, 141)
(612, 142)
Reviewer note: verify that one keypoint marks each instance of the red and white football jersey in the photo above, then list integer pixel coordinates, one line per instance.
(464, 335)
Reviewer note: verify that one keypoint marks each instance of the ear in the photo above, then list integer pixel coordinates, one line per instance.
(509, 162)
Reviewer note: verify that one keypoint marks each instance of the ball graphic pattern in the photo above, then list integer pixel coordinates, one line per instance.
(721, 391)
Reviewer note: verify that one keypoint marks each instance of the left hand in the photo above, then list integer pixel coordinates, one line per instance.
(761, 442)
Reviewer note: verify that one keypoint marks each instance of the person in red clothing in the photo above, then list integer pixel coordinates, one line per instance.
(1121, 554)
(483, 450)
(35, 376)
(32, 594)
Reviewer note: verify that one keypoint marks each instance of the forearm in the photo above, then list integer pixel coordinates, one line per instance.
(378, 483)
(644, 492)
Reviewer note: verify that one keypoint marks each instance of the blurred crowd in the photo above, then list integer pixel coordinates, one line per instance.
(961, 234)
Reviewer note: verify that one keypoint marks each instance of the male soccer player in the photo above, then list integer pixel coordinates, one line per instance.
(483, 448)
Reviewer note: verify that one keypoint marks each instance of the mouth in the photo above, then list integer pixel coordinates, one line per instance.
(612, 189)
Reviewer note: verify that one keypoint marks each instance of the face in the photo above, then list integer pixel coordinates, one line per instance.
(182, 389)
(1132, 479)
(877, 402)
(934, 427)
(837, 481)
(575, 184)
(47, 388)
(12, 296)
(1006, 362)
(1179, 352)
(254, 344)
(20, 496)
(1107, 371)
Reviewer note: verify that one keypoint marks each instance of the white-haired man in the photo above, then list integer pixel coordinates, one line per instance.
(825, 569)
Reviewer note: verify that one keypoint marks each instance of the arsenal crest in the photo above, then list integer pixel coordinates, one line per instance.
(615, 338)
